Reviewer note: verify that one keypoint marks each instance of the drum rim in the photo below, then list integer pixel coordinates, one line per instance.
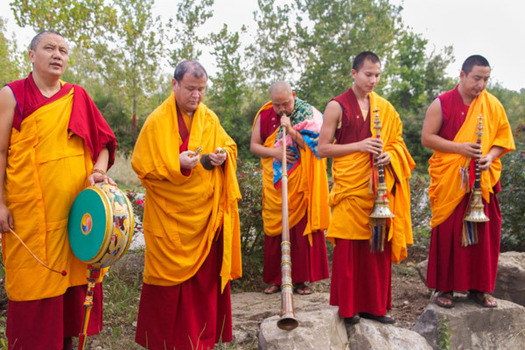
(109, 226)
(129, 234)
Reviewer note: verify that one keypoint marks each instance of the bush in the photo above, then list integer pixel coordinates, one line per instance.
(250, 212)
(420, 207)
(512, 199)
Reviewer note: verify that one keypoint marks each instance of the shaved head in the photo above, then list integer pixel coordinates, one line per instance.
(283, 97)
(280, 87)
(38, 37)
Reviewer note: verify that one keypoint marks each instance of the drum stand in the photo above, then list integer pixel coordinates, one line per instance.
(94, 274)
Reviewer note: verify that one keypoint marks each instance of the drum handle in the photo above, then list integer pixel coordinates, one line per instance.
(63, 272)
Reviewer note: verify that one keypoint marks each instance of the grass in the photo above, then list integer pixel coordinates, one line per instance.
(122, 173)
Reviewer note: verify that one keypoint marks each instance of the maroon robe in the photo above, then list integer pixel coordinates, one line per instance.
(193, 315)
(451, 266)
(309, 262)
(361, 280)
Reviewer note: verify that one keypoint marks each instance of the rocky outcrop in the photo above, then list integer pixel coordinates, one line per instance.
(470, 326)
(510, 280)
(321, 329)
(373, 335)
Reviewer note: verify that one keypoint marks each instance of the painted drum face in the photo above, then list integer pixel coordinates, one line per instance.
(86, 224)
(100, 225)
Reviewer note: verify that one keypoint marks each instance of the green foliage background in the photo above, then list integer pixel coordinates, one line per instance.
(124, 57)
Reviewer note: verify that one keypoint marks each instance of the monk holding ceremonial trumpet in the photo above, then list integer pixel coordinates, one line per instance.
(364, 245)
(463, 255)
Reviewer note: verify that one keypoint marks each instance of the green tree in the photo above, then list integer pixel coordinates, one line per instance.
(191, 14)
(228, 87)
(514, 103)
(406, 69)
(12, 64)
(81, 21)
(272, 54)
(140, 34)
(330, 33)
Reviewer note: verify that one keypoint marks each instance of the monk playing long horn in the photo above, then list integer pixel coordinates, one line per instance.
(450, 130)
(309, 214)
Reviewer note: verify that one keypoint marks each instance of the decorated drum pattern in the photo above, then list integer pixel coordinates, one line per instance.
(100, 225)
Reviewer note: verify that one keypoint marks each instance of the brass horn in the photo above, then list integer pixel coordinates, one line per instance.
(287, 321)
(475, 212)
(381, 210)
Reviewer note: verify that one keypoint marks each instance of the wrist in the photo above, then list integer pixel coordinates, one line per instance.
(98, 171)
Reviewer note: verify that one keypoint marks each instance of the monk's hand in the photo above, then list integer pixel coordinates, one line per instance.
(6, 219)
(100, 176)
(286, 123)
(485, 162)
(470, 149)
(371, 145)
(218, 157)
(188, 160)
(383, 159)
(290, 156)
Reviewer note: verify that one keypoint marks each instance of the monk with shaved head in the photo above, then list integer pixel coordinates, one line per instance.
(307, 187)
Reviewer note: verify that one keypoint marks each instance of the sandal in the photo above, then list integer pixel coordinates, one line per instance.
(383, 319)
(444, 299)
(483, 299)
(352, 320)
(272, 289)
(302, 289)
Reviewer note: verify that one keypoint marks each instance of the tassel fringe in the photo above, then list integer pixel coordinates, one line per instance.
(377, 239)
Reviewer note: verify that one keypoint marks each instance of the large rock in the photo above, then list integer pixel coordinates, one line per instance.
(510, 280)
(373, 335)
(470, 326)
(320, 329)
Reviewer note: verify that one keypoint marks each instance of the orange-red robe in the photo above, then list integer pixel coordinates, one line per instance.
(185, 214)
(361, 279)
(309, 214)
(451, 266)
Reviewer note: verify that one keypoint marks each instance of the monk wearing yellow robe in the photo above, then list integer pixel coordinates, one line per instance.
(309, 214)
(187, 164)
(457, 262)
(53, 143)
(361, 266)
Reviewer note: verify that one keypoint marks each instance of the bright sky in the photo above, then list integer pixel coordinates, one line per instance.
(487, 27)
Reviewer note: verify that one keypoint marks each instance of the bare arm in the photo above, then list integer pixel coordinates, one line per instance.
(257, 146)
(332, 116)
(7, 111)
(101, 165)
(486, 161)
(431, 139)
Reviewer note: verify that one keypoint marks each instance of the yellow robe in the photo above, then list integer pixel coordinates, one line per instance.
(446, 188)
(351, 199)
(46, 168)
(307, 190)
(182, 213)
